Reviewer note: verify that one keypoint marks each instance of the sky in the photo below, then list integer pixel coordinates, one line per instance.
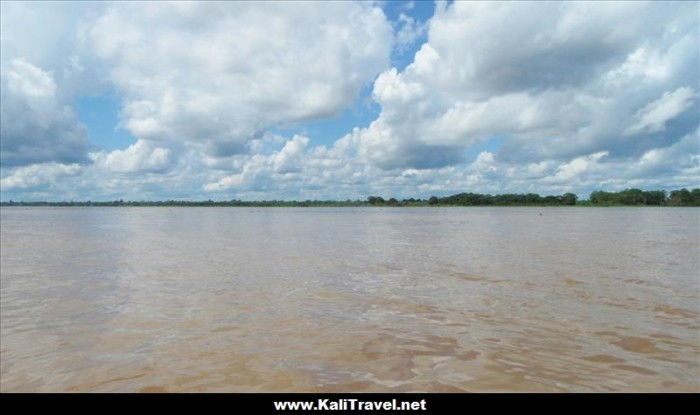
(342, 100)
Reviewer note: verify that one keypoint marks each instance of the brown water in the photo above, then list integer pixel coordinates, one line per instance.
(415, 299)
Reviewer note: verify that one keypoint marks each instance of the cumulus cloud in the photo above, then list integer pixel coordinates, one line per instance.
(142, 156)
(559, 80)
(45, 34)
(35, 126)
(578, 166)
(38, 175)
(293, 162)
(221, 73)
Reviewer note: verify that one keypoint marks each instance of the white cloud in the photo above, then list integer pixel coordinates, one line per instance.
(560, 81)
(35, 126)
(38, 175)
(26, 79)
(45, 34)
(287, 160)
(139, 157)
(220, 73)
(293, 162)
(653, 117)
(578, 166)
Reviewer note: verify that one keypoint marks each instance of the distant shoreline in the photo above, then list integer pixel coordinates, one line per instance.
(628, 197)
(578, 205)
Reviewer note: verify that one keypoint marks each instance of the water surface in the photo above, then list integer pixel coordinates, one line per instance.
(350, 299)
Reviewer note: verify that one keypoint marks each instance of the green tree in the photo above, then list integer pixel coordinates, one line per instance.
(681, 197)
(655, 197)
(569, 199)
(695, 197)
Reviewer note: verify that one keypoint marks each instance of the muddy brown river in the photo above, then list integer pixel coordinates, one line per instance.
(350, 299)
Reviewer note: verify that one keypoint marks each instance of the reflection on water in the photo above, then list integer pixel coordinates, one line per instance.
(416, 299)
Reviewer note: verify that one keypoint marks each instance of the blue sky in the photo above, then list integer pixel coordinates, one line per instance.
(100, 114)
(336, 100)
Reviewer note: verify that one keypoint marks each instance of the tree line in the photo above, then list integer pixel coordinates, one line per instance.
(628, 197)
(632, 197)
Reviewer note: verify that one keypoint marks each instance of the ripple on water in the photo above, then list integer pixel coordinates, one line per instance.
(405, 300)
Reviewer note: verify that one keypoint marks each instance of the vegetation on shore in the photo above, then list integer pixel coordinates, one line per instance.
(682, 197)
(628, 197)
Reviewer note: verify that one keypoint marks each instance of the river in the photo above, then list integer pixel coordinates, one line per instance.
(350, 299)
